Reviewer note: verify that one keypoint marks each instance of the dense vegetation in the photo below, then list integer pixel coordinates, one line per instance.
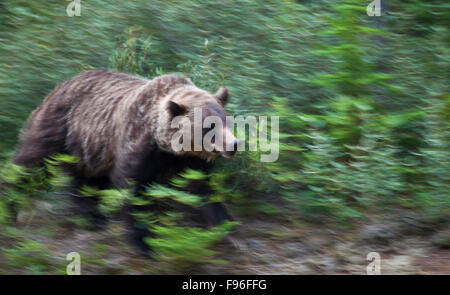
(364, 102)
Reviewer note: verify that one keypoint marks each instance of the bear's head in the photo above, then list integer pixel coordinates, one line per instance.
(194, 122)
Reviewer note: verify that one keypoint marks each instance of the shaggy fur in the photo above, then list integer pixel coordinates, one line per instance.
(119, 127)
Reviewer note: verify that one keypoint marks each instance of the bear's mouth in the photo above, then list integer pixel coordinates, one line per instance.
(228, 154)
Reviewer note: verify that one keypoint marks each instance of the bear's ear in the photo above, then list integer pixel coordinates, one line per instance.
(176, 109)
(223, 95)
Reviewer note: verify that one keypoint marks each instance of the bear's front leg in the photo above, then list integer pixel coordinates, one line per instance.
(133, 173)
(212, 213)
(215, 213)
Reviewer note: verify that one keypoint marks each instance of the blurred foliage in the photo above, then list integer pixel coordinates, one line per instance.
(181, 246)
(176, 243)
(364, 102)
(32, 256)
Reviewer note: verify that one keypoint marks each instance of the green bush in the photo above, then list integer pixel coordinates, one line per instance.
(364, 102)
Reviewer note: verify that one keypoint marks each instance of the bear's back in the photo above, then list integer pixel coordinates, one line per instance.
(111, 114)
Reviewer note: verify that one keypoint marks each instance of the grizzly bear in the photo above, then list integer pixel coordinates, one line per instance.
(119, 127)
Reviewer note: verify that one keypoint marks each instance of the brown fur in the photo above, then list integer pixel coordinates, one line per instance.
(119, 127)
(103, 117)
